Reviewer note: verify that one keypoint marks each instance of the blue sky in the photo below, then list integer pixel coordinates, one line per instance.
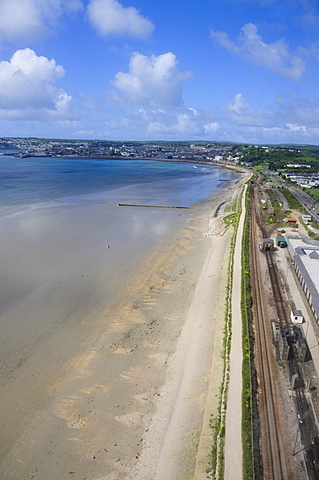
(215, 70)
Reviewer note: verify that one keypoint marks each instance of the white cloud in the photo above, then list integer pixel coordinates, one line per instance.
(26, 89)
(185, 122)
(183, 125)
(30, 19)
(84, 133)
(273, 56)
(153, 80)
(296, 128)
(298, 110)
(290, 119)
(211, 127)
(195, 112)
(239, 112)
(239, 105)
(110, 17)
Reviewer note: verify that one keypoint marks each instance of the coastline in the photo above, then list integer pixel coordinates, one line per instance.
(85, 399)
(229, 166)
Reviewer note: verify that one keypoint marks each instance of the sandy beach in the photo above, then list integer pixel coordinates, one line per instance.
(105, 351)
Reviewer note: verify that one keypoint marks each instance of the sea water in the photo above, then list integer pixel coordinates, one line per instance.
(28, 181)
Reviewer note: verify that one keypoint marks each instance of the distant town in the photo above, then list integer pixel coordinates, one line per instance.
(107, 149)
(299, 164)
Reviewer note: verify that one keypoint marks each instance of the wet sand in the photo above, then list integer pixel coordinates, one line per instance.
(94, 340)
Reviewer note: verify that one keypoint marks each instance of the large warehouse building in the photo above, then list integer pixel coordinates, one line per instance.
(305, 256)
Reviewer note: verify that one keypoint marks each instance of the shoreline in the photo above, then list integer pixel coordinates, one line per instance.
(110, 369)
(212, 163)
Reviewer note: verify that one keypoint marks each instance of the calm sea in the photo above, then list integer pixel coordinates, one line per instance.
(29, 181)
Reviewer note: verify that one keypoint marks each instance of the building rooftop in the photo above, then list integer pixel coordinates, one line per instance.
(306, 256)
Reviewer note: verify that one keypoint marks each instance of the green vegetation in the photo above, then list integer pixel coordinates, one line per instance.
(308, 226)
(260, 167)
(293, 203)
(265, 179)
(313, 193)
(277, 159)
(275, 213)
(231, 208)
(314, 236)
(230, 219)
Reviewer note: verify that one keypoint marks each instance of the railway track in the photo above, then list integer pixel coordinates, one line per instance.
(274, 463)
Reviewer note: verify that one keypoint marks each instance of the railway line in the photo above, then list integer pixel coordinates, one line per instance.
(276, 460)
(273, 459)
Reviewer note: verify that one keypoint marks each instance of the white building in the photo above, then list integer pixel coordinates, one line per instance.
(305, 256)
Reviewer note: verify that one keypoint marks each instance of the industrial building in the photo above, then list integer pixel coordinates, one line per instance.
(290, 342)
(305, 256)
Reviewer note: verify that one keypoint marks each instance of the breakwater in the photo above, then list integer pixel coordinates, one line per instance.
(148, 206)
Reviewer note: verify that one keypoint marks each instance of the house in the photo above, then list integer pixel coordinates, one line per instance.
(291, 221)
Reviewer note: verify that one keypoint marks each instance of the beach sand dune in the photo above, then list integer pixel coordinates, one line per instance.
(100, 346)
